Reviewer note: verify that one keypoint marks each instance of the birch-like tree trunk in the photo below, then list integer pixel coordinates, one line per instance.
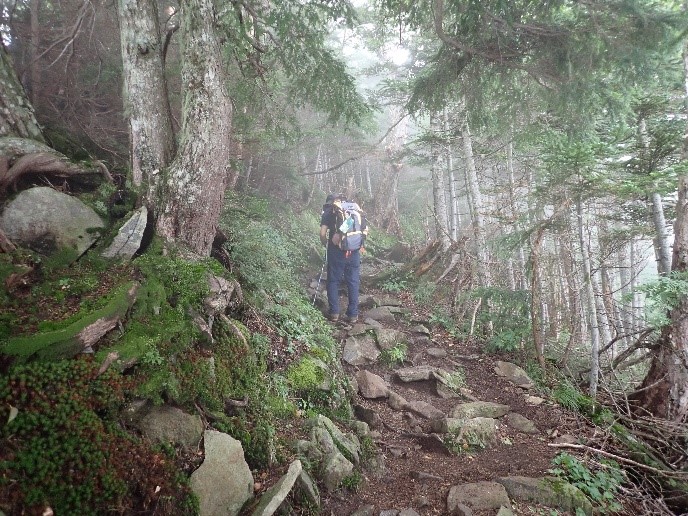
(589, 294)
(151, 135)
(439, 194)
(476, 202)
(194, 189)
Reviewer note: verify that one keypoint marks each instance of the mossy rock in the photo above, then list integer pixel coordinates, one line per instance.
(69, 341)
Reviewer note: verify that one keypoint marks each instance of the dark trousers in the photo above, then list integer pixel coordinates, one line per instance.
(342, 267)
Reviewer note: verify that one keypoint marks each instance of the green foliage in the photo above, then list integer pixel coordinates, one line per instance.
(600, 486)
(305, 374)
(353, 481)
(423, 292)
(570, 397)
(508, 317)
(394, 356)
(394, 285)
(65, 448)
(664, 294)
(184, 281)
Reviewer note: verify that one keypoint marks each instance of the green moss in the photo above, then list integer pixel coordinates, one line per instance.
(64, 343)
(305, 374)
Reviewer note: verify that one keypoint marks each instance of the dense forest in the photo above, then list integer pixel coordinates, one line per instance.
(521, 166)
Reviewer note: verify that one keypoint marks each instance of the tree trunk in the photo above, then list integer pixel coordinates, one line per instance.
(439, 194)
(664, 391)
(17, 117)
(151, 137)
(194, 190)
(591, 308)
(477, 203)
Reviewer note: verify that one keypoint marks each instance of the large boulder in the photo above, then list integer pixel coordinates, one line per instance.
(48, 221)
(478, 496)
(223, 483)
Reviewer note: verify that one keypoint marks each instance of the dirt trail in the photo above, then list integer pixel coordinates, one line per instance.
(418, 469)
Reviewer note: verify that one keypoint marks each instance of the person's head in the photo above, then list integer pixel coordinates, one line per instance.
(334, 197)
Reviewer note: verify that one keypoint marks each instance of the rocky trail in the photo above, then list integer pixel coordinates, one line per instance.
(456, 430)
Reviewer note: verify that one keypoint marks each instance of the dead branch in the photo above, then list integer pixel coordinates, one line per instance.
(680, 475)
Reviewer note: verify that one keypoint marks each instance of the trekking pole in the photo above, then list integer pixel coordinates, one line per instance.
(322, 270)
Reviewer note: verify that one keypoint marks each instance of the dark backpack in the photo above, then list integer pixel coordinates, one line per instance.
(350, 225)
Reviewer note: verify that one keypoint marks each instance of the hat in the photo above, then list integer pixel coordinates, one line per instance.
(334, 197)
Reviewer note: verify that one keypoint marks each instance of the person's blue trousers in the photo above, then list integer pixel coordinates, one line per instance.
(342, 267)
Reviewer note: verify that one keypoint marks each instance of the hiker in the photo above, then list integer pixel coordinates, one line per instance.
(343, 230)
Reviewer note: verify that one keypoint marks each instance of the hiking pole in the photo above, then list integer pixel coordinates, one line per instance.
(322, 270)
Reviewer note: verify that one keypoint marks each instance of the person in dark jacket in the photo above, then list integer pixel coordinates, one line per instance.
(341, 265)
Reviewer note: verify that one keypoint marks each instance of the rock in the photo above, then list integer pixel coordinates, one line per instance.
(479, 409)
(372, 323)
(306, 491)
(366, 510)
(171, 425)
(421, 329)
(422, 475)
(223, 483)
(371, 386)
(360, 350)
(387, 301)
(534, 400)
(415, 373)
(425, 410)
(484, 429)
(346, 444)
(521, 424)
(381, 314)
(222, 291)
(388, 338)
(389, 512)
(422, 341)
(514, 374)
(549, 491)
(397, 402)
(368, 415)
(366, 301)
(47, 221)
(478, 496)
(128, 240)
(273, 497)
(436, 352)
(336, 468)
(408, 512)
(505, 511)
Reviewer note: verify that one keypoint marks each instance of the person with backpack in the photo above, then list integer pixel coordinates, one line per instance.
(343, 230)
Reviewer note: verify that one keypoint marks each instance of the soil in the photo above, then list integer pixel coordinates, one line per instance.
(418, 469)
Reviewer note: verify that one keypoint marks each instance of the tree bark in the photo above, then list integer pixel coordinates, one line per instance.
(591, 308)
(439, 194)
(151, 136)
(194, 190)
(17, 117)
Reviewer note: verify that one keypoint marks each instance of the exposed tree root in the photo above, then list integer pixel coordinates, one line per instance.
(22, 158)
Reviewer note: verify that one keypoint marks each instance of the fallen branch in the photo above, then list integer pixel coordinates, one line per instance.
(669, 474)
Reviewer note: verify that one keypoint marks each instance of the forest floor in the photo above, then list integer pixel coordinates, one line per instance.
(418, 469)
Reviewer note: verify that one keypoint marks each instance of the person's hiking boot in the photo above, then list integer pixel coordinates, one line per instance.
(333, 317)
(351, 319)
